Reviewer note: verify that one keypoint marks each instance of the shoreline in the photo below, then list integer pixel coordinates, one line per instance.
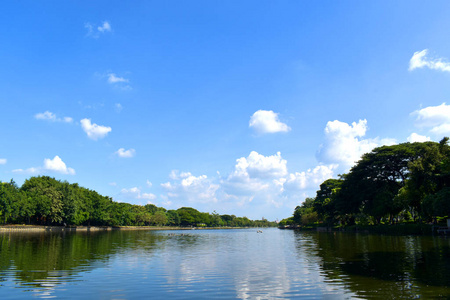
(43, 228)
(385, 229)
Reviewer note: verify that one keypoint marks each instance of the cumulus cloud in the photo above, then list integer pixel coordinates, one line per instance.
(93, 130)
(414, 137)
(254, 174)
(420, 60)
(55, 165)
(258, 185)
(344, 143)
(190, 188)
(94, 31)
(3, 161)
(266, 121)
(310, 179)
(126, 153)
(434, 118)
(49, 116)
(260, 166)
(149, 184)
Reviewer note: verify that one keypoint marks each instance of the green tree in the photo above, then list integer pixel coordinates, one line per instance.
(372, 184)
(48, 198)
(429, 174)
(305, 214)
(325, 202)
(188, 216)
(8, 194)
(173, 218)
(159, 218)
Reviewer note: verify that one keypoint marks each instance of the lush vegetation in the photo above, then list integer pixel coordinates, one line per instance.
(46, 201)
(408, 182)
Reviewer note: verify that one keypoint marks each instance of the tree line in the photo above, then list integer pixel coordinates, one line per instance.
(408, 182)
(44, 200)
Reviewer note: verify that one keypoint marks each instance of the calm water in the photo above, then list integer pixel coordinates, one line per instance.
(227, 264)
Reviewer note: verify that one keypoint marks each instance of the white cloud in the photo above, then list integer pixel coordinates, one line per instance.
(119, 83)
(3, 161)
(175, 175)
(149, 184)
(258, 185)
(166, 186)
(45, 116)
(443, 129)
(312, 178)
(264, 181)
(96, 32)
(420, 60)
(148, 196)
(436, 118)
(29, 171)
(344, 144)
(136, 193)
(126, 153)
(255, 174)
(113, 183)
(49, 116)
(190, 188)
(414, 137)
(93, 130)
(55, 165)
(260, 166)
(266, 121)
(112, 78)
(105, 27)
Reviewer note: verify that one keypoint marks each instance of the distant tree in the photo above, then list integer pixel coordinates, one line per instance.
(189, 216)
(173, 218)
(8, 194)
(159, 218)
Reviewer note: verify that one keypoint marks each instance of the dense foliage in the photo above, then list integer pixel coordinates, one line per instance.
(46, 201)
(408, 182)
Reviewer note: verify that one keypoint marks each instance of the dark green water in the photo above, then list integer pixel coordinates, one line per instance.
(226, 264)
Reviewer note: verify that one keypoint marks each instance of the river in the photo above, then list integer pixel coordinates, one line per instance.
(222, 264)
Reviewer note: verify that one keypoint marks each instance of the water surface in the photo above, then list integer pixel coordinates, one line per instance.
(222, 264)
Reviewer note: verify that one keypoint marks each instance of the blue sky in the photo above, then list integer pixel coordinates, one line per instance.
(242, 107)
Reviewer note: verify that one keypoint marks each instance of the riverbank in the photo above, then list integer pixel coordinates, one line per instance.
(38, 228)
(394, 229)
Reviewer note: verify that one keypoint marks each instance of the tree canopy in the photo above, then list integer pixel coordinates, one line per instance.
(408, 180)
(45, 200)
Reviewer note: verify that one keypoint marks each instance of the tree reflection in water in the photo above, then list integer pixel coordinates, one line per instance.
(43, 260)
(382, 266)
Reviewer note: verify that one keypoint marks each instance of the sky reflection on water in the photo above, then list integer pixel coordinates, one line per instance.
(226, 264)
